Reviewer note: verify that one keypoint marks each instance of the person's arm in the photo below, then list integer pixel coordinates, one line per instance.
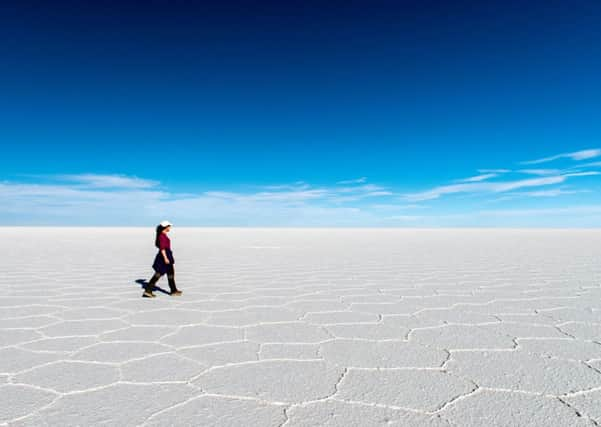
(164, 253)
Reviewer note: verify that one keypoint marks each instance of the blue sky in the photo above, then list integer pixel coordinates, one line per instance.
(356, 113)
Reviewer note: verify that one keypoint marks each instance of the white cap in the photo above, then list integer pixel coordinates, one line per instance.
(165, 224)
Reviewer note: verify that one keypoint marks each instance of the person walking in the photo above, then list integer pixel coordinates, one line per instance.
(163, 262)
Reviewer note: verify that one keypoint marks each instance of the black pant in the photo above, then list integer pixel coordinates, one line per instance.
(157, 276)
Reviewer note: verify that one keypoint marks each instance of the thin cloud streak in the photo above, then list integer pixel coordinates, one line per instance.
(497, 171)
(479, 187)
(577, 155)
(550, 193)
(95, 199)
(480, 183)
(540, 172)
(556, 192)
(108, 181)
(479, 178)
(405, 218)
(569, 210)
(589, 173)
(361, 180)
(119, 199)
(592, 164)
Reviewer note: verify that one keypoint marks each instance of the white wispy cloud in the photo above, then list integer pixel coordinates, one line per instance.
(576, 155)
(299, 185)
(575, 216)
(296, 193)
(555, 192)
(591, 164)
(405, 218)
(100, 199)
(281, 196)
(107, 181)
(393, 207)
(497, 171)
(120, 199)
(481, 184)
(479, 178)
(552, 192)
(367, 188)
(359, 196)
(479, 187)
(64, 204)
(587, 173)
(361, 180)
(539, 212)
(540, 172)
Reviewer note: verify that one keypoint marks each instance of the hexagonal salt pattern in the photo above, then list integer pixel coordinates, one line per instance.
(388, 354)
(116, 405)
(587, 403)
(67, 376)
(430, 389)
(273, 380)
(17, 401)
(334, 413)
(215, 411)
(303, 328)
(507, 409)
(521, 371)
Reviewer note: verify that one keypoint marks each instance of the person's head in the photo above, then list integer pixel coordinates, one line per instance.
(166, 226)
(163, 227)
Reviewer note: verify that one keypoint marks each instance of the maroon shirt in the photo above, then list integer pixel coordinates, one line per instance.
(164, 242)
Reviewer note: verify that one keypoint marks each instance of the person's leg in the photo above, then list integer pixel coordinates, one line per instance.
(150, 285)
(153, 281)
(171, 279)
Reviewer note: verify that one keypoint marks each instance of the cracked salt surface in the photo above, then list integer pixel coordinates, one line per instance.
(334, 328)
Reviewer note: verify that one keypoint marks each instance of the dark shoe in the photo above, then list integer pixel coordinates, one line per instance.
(148, 294)
(176, 293)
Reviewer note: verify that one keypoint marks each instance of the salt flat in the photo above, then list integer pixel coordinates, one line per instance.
(302, 327)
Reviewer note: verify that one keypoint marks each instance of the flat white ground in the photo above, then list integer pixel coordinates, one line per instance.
(302, 328)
